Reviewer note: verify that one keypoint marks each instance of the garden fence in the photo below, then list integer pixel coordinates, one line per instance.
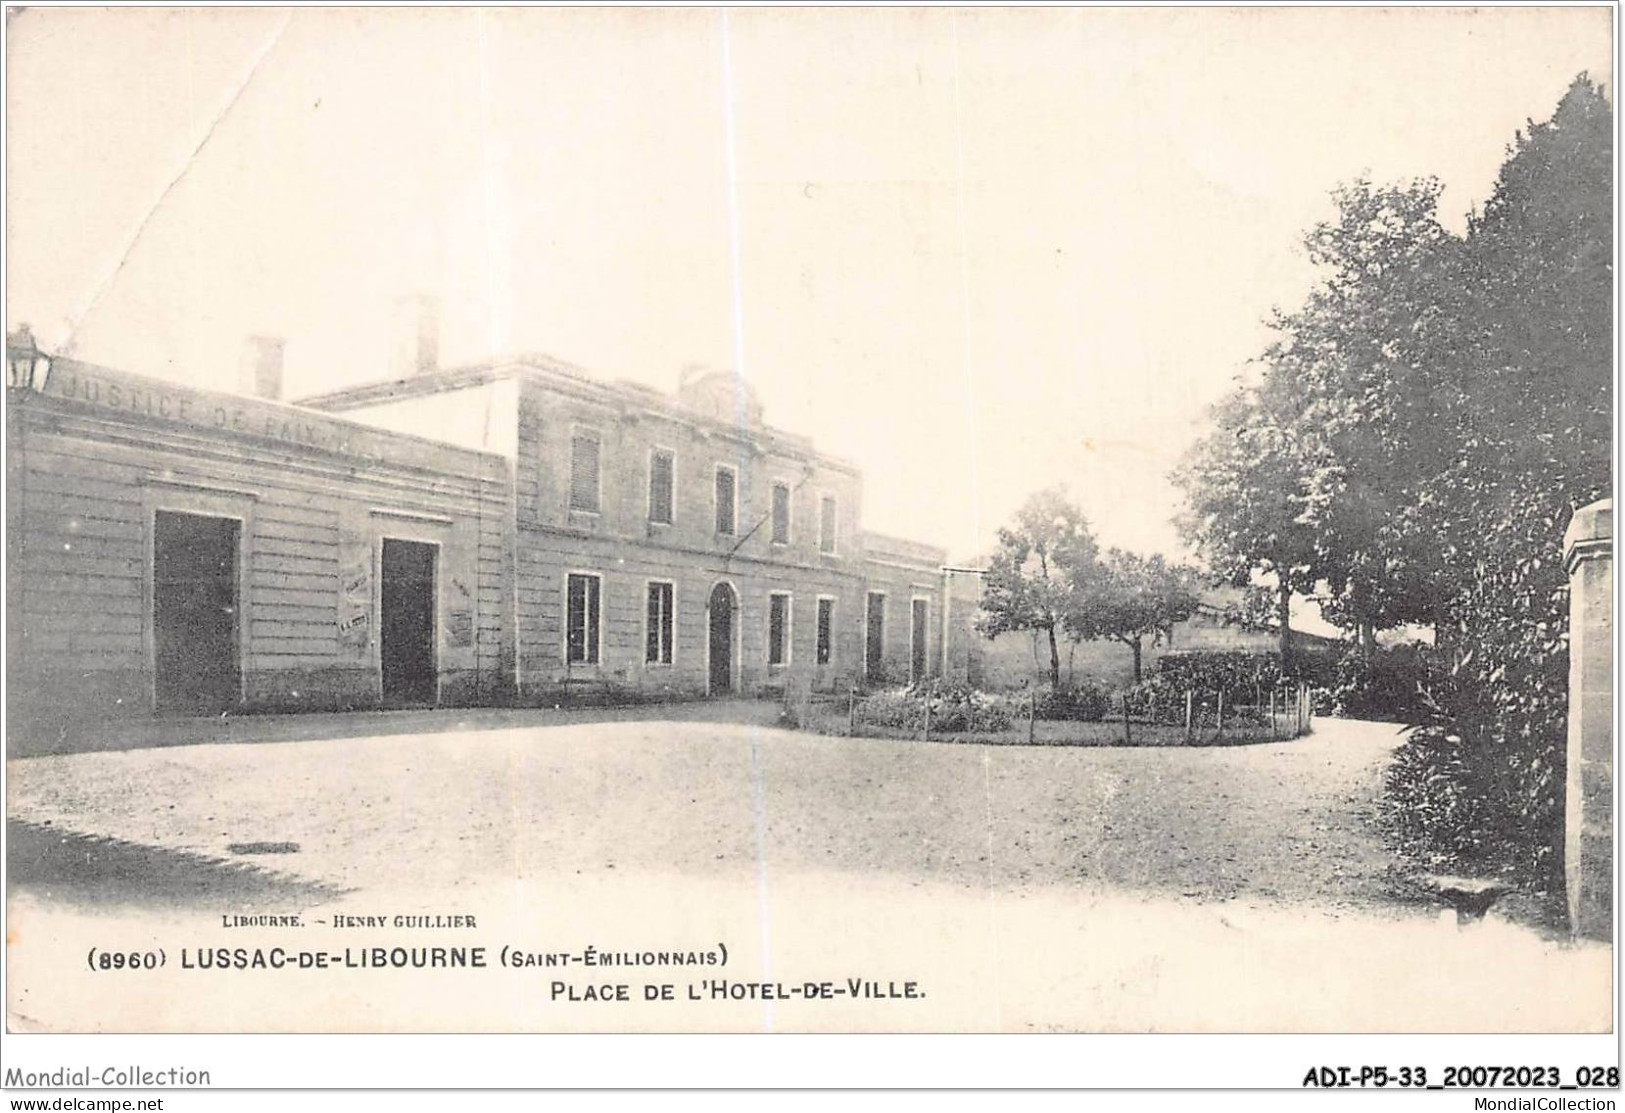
(1192, 718)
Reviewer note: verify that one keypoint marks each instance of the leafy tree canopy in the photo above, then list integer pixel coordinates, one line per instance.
(1136, 598)
(1043, 557)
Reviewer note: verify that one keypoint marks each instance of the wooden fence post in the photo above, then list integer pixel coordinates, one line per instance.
(1190, 702)
(1128, 737)
(1273, 736)
(1221, 713)
(852, 711)
(927, 736)
(1032, 714)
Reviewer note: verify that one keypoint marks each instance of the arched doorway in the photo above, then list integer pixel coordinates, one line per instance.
(721, 618)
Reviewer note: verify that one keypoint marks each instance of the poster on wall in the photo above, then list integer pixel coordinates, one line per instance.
(355, 595)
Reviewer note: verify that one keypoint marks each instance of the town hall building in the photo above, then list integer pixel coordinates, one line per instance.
(673, 543)
(184, 551)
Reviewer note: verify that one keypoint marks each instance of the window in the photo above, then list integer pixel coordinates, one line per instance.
(874, 653)
(658, 625)
(584, 450)
(826, 629)
(781, 513)
(725, 499)
(919, 625)
(583, 606)
(826, 524)
(778, 628)
(662, 473)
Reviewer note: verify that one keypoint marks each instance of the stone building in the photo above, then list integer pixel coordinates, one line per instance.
(184, 551)
(673, 544)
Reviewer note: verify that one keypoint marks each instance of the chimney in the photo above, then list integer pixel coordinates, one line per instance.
(417, 336)
(261, 372)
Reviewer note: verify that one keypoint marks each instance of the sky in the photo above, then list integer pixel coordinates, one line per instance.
(979, 252)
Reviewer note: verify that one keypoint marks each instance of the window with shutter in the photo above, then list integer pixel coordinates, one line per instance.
(662, 475)
(826, 524)
(584, 452)
(725, 498)
(781, 514)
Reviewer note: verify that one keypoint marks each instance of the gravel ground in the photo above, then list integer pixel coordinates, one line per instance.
(1280, 822)
(1024, 888)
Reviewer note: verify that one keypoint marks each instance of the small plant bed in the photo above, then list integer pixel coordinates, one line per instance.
(1003, 720)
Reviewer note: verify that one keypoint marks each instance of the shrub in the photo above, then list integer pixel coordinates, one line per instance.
(1161, 700)
(891, 708)
(1161, 697)
(1387, 684)
(1435, 803)
(1081, 703)
(955, 708)
(1238, 674)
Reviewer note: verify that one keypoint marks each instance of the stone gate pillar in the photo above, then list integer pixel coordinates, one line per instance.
(1588, 830)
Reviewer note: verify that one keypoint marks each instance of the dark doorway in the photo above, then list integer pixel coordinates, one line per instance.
(406, 622)
(194, 613)
(919, 617)
(720, 614)
(874, 654)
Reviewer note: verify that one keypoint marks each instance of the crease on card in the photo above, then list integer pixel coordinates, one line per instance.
(758, 789)
(964, 287)
(992, 891)
(97, 292)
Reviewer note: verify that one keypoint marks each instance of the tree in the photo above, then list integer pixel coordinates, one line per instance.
(1423, 427)
(1043, 557)
(1137, 598)
(1354, 372)
(1533, 357)
(1245, 496)
(1313, 474)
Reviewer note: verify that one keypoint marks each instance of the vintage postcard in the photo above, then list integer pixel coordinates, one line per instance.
(857, 520)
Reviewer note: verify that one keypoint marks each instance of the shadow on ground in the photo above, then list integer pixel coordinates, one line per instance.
(35, 739)
(101, 874)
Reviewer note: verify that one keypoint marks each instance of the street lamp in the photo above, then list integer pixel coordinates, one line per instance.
(26, 365)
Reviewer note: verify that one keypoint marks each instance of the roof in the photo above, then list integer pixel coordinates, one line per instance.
(560, 374)
(887, 547)
(133, 397)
